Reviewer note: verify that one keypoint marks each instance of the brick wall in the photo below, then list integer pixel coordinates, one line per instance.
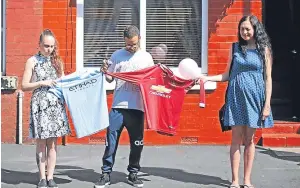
(198, 126)
(60, 17)
(24, 21)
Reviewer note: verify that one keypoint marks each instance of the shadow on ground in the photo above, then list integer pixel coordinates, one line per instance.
(283, 155)
(18, 177)
(186, 177)
(89, 175)
(81, 174)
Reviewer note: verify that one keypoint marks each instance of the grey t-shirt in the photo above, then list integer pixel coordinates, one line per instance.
(127, 95)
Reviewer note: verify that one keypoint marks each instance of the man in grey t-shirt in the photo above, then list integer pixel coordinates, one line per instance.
(127, 109)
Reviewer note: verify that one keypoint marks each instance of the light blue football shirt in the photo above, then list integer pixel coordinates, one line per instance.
(85, 97)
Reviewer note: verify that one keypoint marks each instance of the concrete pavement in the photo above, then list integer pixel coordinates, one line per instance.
(78, 166)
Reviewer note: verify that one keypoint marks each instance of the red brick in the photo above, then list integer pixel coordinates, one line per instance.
(22, 26)
(226, 32)
(228, 25)
(256, 5)
(50, 5)
(14, 4)
(220, 52)
(63, 4)
(233, 11)
(59, 11)
(293, 140)
(281, 140)
(274, 141)
(297, 129)
(280, 129)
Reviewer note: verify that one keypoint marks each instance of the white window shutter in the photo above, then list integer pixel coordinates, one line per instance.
(104, 22)
(176, 24)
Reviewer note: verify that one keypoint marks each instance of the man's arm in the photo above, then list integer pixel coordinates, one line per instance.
(104, 69)
(109, 79)
(150, 61)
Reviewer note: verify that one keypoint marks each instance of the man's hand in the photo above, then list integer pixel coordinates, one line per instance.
(104, 69)
(104, 66)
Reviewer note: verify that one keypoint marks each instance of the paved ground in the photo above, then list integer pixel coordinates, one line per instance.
(78, 166)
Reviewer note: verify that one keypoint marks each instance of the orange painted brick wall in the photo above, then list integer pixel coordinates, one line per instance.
(197, 126)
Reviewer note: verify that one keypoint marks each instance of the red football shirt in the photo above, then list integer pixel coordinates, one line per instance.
(163, 94)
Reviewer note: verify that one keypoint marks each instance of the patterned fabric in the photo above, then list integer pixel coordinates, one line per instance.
(246, 91)
(47, 113)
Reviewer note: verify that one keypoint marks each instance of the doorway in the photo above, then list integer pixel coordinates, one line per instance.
(281, 20)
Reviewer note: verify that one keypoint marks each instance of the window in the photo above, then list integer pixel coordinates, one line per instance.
(174, 25)
(104, 21)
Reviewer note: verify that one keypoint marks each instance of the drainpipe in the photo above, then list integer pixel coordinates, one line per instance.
(20, 117)
(3, 38)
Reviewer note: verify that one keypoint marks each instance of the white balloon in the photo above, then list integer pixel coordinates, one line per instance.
(189, 69)
(164, 47)
(158, 53)
(176, 73)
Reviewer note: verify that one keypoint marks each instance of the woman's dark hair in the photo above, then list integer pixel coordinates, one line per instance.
(261, 37)
(56, 60)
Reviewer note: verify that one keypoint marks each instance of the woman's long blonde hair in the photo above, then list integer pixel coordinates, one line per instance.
(56, 60)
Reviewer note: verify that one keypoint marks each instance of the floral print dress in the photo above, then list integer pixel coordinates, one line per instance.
(48, 116)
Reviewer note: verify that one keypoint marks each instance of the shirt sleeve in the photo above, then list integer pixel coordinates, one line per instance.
(112, 63)
(150, 60)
